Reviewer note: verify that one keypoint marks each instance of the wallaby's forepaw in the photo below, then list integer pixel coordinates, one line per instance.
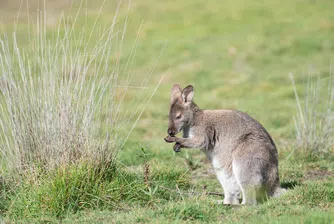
(169, 139)
(177, 147)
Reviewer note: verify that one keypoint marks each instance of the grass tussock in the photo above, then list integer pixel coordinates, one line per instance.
(62, 97)
(314, 121)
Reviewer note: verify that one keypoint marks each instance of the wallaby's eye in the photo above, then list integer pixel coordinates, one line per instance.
(178, 116)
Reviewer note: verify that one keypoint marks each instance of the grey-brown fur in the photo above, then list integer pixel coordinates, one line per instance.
(241, 151)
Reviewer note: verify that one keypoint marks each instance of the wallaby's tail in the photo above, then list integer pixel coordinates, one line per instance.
(279, 191)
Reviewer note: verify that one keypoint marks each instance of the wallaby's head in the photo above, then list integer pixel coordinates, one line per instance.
(181, 110)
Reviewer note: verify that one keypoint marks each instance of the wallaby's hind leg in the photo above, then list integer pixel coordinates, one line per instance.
(250, 179)
(232, 192)
(250, 194)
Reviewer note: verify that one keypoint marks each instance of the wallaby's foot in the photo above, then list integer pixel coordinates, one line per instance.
(177, 147)
(233, 206)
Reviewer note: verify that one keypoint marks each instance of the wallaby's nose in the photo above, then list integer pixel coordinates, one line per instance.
(170, 132)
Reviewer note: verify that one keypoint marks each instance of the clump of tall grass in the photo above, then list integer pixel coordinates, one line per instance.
(314, 122)
(62, 96)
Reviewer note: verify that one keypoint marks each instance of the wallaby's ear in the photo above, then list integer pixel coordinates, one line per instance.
(175, 93)
(188, 94)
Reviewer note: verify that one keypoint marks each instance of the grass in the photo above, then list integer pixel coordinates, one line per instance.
(77, 188)
(307, 202)
(314, 122)
(237, 55)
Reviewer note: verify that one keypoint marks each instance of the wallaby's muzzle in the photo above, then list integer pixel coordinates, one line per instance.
(171, 131)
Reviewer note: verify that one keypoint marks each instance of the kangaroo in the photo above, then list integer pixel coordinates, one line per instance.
(242, 153)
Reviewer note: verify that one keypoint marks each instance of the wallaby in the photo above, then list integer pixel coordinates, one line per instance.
(240, 150)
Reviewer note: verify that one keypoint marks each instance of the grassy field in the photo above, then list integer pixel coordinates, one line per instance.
(238, 55)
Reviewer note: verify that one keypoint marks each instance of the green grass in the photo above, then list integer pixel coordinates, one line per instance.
(238, 55)
(308, 202)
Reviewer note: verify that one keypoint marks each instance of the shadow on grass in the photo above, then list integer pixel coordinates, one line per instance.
(289, 184)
